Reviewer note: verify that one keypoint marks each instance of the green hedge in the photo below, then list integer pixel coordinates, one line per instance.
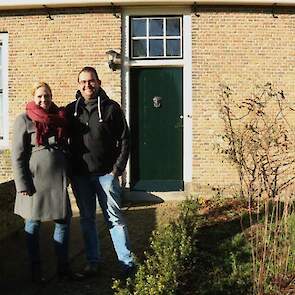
(170, 259)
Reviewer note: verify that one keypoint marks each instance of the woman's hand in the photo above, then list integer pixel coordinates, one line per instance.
(114, 174)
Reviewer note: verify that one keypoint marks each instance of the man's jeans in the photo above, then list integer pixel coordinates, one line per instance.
(60, 237)
(107, 190)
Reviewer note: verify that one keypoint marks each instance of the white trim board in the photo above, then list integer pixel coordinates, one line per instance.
(4, 143)
(37, 4)
(187, 75)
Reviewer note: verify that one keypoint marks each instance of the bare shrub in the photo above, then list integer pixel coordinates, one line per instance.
(259, 140)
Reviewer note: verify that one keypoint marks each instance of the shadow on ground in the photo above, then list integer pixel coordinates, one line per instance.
(14, 274)
(219, 247)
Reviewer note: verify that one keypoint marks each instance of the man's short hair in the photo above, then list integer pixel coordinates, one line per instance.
(90, 70)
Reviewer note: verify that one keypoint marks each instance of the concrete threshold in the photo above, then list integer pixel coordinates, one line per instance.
(137, 197)
(154, 197)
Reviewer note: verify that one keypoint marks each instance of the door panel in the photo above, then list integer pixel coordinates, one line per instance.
(156, 129)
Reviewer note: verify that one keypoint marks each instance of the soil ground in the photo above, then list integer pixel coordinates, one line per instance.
(14, 270)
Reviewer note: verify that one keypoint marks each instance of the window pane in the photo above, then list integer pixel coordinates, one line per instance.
(173, 27)
(139, 48)
(156, 48)
(139, 27)
(0, 55)
(1, 82)
(1, 116)
(156, 27)
(173, 47)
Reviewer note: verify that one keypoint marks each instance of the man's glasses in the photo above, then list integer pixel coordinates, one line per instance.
(85, 82)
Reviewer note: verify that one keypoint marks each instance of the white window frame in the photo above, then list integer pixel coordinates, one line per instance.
(185, 61)
(163, 37)
(4, 142)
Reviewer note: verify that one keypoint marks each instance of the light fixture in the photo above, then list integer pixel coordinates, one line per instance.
(114, 59)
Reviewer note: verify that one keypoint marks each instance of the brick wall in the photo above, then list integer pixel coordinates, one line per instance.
(54, 51)
(241, 47)
(238, 46)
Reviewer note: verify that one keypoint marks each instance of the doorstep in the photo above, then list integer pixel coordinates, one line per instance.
(154, 197)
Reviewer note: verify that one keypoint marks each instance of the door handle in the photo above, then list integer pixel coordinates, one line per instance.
(157, 101)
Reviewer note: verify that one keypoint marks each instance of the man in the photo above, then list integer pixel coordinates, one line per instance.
(99, 145)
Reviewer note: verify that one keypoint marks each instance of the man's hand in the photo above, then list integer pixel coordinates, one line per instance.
(24, 193)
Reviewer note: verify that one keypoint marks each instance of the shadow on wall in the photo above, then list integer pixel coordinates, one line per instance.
(9, 222)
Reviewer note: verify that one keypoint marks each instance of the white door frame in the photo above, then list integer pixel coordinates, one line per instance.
(4, 143)
(185, 63)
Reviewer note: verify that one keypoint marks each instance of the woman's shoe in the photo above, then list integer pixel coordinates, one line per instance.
(91, 270)
(64, 273)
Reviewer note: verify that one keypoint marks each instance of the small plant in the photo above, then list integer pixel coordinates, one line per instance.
(170, 260)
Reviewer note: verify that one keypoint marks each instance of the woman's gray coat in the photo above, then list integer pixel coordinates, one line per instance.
(40, 170)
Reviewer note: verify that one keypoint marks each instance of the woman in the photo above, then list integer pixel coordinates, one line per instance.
(39, 166)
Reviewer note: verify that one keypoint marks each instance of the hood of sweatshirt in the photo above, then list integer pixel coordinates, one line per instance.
(99, 98)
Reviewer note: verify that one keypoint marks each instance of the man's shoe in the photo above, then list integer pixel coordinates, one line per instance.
(70, 276)
(128, 272)
(90, 270)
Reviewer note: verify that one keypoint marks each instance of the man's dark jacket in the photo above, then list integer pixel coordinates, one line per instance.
(97, 145)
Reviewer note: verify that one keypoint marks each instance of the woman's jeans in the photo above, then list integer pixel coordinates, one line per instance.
(60, 239)
(107, 190)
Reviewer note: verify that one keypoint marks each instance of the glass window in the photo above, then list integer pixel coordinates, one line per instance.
(139, 27)
(1, 117)
(139, 48)
(156, 37)
(1, 57)
(156, 27)
(173, 47)
(156, 48)
(173, 27)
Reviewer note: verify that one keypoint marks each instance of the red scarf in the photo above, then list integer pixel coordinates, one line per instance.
(48, 123)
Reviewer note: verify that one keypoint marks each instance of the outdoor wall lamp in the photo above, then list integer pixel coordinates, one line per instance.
(114, 59)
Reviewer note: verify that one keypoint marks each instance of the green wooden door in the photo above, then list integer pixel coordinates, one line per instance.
(156, 129)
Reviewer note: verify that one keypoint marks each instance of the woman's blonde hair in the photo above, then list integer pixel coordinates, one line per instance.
(39, 84)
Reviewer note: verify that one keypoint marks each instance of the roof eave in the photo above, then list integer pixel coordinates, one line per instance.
(34, 4)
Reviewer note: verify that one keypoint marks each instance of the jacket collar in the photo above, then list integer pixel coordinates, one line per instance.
(100, 99)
